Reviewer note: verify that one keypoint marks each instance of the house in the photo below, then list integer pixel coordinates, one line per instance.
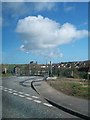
(17, 70)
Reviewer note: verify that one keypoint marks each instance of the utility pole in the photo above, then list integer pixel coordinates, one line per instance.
(50, 69)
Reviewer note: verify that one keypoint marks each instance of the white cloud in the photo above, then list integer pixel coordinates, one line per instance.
(17, 9)
(39, 6)
(68, 8)
(44, 35)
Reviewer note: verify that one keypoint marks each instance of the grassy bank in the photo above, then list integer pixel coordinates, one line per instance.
(71, 87)
(7, 75)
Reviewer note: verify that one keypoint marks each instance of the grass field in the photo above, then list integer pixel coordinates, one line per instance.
(71, 87)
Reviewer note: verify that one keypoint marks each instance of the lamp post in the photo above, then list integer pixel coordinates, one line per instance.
(88, 75)
(50, 69)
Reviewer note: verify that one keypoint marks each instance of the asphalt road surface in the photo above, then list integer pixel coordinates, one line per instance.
(21, 101)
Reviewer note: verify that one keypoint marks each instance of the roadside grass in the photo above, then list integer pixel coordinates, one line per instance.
(72, 87)
(6, 75)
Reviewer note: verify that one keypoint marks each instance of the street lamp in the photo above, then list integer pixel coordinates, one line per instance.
(50, 69)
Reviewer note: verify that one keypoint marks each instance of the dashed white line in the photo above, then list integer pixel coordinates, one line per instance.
(10, 91)
(20, 92)
(27, 94)
(49, 105)
(37, 101)
(4, 90)
(35, 97)
(15, 94)
(28, 98)
(14, 91)
(21, 95)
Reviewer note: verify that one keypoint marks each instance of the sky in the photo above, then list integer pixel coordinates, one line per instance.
(56, 31)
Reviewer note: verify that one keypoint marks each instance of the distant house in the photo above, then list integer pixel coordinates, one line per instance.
(17, 70)
(89, 73)
(4, 71)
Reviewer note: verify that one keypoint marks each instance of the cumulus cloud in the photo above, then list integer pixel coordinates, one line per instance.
(42, 34)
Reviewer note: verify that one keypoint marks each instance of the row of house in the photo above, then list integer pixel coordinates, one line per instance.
(33, 68)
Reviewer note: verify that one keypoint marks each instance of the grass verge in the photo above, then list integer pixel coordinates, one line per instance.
(7, 75)
(72, 87)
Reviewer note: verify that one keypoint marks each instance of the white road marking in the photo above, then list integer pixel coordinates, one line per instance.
(15, 94)
(35, 97)
(20, 92)
(21, 95)
(28, 98)
(49, 105)
(27, 94)
(37, 101)
(40, 79)
(14, 91)
(5, 90)
(10, 91)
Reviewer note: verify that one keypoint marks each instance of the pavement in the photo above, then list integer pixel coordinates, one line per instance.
(72, 105)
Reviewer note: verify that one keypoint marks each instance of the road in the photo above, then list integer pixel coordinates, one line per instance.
(21, 101)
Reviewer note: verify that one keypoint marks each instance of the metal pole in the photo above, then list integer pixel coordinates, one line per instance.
(51, 68)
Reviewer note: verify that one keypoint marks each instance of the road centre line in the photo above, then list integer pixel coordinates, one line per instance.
(15, 94)
(37, 101)
(21, 95)
(14, 91)
(35, 97)
(20, 92)
(49, 105)
(27, 94)
(28, 98)
(10, 91)
(5, 90)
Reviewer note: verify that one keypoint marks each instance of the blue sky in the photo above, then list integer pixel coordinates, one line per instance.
(19, 41)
